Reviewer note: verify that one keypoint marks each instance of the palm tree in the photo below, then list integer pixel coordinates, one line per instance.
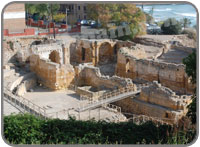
(185, 22)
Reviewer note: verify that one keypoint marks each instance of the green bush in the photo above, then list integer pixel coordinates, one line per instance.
(27, 129)
(171, 27)
(23, 129)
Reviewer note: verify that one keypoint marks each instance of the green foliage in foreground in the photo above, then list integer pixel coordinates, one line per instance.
(27, 129)
(190, 69)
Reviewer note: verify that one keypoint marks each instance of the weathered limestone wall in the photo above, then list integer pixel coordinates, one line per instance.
(135, 106)
(24, 47)
(19, 46)
(45, 50)
(157, 101)
(168, 74)
(52, 75)
(19, 80)
(163, 96)
(134, 52)
(96, 51)
(91, 76)
(85, 91)
(25, 86)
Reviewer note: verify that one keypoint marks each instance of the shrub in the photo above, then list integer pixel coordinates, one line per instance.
(23, 129)
(27, 129)
(171, 27)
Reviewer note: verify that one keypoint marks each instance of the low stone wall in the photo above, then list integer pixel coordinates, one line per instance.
(25, 86)
(90, 75)
(52, 75)
(156, 94)
(134, 52)
(183, 48)
(168, 74)
(135, 106)
(157, 101)
(84, 91)
(18, 81)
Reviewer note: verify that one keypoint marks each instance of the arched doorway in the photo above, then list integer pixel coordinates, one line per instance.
(105, 53)
(54, 57)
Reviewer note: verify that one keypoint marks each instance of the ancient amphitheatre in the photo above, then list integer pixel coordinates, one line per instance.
(99, 79)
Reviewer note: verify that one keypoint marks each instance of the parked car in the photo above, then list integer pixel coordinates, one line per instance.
(153, 29)
(84, 22)
(94, 24)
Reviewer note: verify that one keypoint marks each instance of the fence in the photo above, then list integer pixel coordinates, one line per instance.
(112, 108)
(66, 114)
(113, 93)
(110, 97)
(139, 119)
(25, 104)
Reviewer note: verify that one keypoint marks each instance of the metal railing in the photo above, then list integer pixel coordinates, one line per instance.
(124, 92)
(112, 108)
(36, 110)
(25, 104)
(139, 119)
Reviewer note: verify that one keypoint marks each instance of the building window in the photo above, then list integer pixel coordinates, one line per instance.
(84, 8)
(79, 17)
(72, 7)
(79, 7)
(84, 16)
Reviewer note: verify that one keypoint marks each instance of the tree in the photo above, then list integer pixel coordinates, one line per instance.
(48, 10)
(30, 8)
(190, 63)
(53, 11)
(171, 27)
(118, 13)
(59, 17)
(185, 22)
(149, 18)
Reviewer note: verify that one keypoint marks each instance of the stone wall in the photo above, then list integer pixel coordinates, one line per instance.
(45, 50)
(19, 47)
(157, 101)
(96, 51)
(156, 94)
(52, 75)
(88, 93)
(25, 86)
(91, 76)
(168, 74)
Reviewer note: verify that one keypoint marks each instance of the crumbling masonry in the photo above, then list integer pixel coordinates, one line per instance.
(164, 86)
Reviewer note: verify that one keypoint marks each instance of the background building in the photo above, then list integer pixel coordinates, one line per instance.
(14, 17)
(75, 12)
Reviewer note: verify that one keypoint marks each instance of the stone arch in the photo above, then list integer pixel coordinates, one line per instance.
(105, 52)
(54, 57)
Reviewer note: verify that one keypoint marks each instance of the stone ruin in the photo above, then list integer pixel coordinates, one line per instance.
(158, 101)
(59, 65)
